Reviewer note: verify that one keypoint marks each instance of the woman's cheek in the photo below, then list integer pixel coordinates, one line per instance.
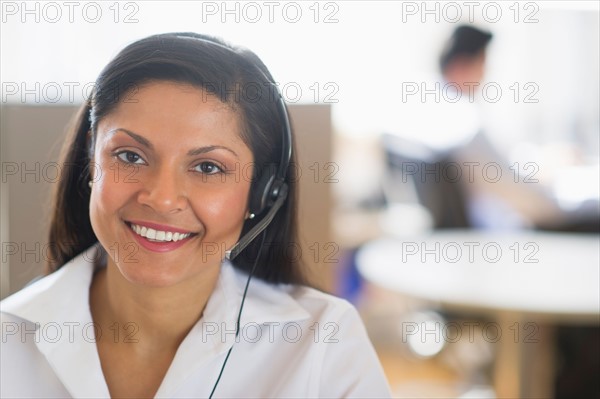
(225, 210)
(108, 197)
(111, 193)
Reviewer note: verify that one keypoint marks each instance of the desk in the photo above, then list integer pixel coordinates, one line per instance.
(513, 276)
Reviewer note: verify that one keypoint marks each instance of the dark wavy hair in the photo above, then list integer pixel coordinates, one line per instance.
(234, 75)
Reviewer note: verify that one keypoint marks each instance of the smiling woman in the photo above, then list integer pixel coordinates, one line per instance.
(185, 151)
(157, 234)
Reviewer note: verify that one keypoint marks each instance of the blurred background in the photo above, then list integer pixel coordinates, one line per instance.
(449, 175)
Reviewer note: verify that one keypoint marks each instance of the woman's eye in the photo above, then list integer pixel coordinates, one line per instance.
(130, 157)
(208, 168)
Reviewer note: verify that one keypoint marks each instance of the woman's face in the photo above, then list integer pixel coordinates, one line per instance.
(168, 197)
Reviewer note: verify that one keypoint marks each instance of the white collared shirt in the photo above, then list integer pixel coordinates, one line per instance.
(294, 342)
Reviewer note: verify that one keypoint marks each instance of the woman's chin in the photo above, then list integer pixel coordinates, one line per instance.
(158, 277)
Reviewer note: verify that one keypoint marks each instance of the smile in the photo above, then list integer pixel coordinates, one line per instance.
(158, 235)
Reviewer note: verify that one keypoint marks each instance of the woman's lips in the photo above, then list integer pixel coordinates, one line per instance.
(163, 241)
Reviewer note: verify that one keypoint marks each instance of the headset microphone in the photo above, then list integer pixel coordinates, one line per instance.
(260, 226)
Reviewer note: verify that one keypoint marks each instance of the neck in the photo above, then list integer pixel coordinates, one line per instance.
(156, 317)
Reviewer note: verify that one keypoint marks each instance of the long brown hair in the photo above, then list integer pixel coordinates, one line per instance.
(234, 75)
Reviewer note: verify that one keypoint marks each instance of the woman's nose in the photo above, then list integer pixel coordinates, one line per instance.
(163, 192)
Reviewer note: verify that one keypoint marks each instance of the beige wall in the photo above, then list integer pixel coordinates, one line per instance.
(31, 140)
(312, 124)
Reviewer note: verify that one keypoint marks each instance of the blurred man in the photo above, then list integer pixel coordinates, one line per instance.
(463, 59)
(461, 178)
(496, 196)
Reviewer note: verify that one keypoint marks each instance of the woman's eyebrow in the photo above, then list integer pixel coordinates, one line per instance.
(202, 150)
(191, 153)
(143, 141)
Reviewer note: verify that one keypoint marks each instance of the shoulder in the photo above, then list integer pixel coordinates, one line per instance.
(49, 301)
(330, 319)
(44, 299)
(45, 326)
(49, 304)
(316, 342)
(290, 304)
(318, 303)
(332, 315)
(347, 355)
(293, 303)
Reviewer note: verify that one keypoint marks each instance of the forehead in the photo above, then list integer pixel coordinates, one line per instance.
(175, 110)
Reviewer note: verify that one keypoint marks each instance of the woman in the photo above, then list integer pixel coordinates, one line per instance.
(155, 236)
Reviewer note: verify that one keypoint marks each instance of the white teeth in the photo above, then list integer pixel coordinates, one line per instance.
(157, 235)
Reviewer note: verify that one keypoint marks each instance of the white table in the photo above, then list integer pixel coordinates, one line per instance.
(545, 278)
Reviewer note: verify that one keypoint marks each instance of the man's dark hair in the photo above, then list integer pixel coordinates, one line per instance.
(466, 41)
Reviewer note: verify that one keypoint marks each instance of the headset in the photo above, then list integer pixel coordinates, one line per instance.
(269, 193)
(271, 190)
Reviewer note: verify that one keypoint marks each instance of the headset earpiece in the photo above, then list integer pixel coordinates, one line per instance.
(261, 194)
(268, 189)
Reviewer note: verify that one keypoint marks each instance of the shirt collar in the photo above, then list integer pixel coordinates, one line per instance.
(214, 333)
(265, 303)
(64, 294)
